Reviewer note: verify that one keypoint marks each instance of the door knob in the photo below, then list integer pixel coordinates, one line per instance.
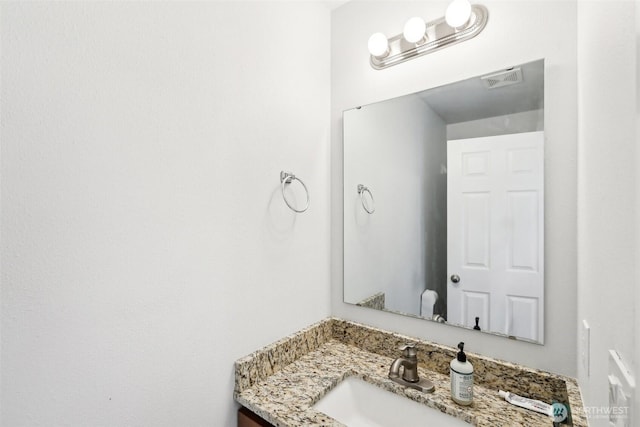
(455, 278)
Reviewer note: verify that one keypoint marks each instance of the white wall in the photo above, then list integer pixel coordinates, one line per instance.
(512, 36)
(636, 365)
(526, 121)
(145, 244)
(607, 189)
(390, 250)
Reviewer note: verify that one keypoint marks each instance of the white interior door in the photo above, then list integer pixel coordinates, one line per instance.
(495, 233)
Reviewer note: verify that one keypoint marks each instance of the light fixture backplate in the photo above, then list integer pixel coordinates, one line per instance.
(439, 35)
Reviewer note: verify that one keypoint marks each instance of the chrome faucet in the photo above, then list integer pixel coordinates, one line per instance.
(409, 364)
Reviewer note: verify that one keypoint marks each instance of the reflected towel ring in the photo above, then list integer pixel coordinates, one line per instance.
(361, 190)
(288, 178)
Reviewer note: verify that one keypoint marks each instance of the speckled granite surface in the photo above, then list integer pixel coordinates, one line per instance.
(267, 361)
(283, 381)
(374, 301)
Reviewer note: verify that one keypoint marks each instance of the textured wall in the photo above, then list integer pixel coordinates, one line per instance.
(145, 243)
(606, 194)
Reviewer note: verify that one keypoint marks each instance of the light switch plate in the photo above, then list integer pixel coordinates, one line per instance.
(621, 392)
(585, 346)
(614, 391)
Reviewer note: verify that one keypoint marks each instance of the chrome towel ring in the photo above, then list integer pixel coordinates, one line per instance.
(288, 178)
(361, 190)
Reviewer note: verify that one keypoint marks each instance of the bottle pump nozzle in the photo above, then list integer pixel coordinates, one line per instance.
(461, 356)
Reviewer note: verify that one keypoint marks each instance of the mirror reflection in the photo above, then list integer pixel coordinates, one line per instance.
(444, 203)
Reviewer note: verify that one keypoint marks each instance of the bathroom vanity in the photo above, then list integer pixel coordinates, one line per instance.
(246, 418)
(282, 382)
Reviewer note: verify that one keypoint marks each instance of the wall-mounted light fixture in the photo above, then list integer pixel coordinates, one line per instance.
(462, 21)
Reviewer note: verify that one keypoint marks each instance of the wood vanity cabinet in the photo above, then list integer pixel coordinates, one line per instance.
(246, 418)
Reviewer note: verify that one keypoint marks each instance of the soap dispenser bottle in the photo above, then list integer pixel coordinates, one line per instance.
(461, 378)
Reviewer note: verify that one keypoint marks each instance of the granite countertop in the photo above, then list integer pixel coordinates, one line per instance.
(282, 382)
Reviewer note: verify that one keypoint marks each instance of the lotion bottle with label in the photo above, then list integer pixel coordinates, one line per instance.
(461, 378)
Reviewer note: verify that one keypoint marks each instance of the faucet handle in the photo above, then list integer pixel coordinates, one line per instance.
(409, 350)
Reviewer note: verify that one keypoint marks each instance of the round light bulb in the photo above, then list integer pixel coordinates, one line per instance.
(458, 13)
(414, 29)
(378, 45)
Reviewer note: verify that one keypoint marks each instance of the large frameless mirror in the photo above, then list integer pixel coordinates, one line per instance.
(444, 203)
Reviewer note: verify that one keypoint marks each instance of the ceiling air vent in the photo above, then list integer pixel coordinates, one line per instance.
(507, 77)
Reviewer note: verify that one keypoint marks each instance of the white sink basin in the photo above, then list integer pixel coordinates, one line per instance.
(356, 403)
